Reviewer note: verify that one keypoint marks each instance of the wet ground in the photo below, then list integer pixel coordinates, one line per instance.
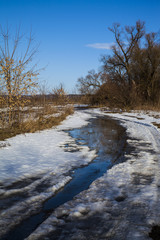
(103, 134)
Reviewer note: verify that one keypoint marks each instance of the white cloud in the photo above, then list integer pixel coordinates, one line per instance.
(100, 45)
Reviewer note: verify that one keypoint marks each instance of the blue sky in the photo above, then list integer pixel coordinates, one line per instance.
(68, 30)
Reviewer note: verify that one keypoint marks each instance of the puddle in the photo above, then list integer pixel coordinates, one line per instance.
(109, 139)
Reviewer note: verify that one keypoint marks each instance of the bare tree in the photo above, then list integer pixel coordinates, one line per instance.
(131, 75)
(126, 39)
(60, 94)
(146, 68)
(43, 90)
(91, 82)
(18, 75)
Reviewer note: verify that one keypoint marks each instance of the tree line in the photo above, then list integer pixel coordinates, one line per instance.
(131, 75)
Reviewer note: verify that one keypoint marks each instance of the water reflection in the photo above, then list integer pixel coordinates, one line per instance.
(103, 134)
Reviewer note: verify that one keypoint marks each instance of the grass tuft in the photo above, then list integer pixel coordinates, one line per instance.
(42, 121)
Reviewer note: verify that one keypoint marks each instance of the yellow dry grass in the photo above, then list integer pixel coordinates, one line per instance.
(44, 120)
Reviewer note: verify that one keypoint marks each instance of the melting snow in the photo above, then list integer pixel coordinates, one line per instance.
(122, 204)
(34, 166)
(125, 202)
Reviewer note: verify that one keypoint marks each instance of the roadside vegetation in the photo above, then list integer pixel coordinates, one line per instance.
(130, 77)
(25, 106)
(39, 113)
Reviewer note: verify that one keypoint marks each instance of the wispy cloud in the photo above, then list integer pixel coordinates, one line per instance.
(100, 45)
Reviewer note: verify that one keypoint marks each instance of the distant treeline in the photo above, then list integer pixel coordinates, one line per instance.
(47, 98)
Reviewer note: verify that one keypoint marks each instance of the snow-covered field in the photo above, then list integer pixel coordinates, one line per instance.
(123, 204)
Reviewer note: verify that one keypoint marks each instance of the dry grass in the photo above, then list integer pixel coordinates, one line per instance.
(44, 120)
(148, 107)
(156, 124)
